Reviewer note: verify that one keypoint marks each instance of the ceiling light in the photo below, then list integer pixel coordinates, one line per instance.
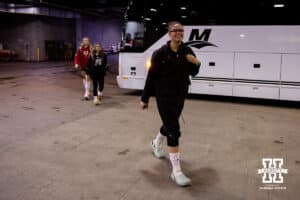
(183, 8)
(164, 23)
(153, 10)
(278, 5)
(183, 16)
(147, 19)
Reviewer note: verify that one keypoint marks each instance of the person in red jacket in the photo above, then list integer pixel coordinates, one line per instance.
(81, 60)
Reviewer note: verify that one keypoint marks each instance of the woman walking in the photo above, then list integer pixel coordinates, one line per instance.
(81, 60)
(97, 70)
(168, 79)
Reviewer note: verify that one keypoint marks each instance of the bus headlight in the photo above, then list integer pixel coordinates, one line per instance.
(148, 64)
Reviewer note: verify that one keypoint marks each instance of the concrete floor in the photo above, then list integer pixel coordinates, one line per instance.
(55, 146)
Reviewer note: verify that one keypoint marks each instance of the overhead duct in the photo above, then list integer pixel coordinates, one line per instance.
(34, 10)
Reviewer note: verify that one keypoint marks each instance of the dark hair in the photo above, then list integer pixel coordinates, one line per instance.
(172, 23)
(98, 43)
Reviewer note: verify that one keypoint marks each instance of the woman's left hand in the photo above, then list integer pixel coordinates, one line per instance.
(192, 59)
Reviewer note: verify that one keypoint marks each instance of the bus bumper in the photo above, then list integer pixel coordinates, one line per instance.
(131, 82)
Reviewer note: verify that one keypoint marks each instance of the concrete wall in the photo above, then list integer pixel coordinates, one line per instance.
(54, 29)
(106, 31)
(18, 35)
(26, 33)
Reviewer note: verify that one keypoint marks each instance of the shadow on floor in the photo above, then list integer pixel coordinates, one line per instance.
(202, 178)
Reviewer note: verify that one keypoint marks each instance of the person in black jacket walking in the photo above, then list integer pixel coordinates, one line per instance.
(168, 79)
(97, 69)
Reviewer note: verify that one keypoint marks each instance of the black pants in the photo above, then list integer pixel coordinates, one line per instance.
(98, 83)
(170, 110)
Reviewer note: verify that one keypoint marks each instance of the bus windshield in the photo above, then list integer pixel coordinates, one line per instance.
(136, 38)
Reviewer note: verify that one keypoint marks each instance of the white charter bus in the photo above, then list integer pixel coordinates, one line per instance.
(242, 61)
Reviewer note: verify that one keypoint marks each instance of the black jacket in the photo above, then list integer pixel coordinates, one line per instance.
(97, 64)
(169, 73)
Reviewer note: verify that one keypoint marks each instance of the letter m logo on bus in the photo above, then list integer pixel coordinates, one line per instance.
(199, 41)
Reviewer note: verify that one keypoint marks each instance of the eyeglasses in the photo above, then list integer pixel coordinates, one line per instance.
(177, 30)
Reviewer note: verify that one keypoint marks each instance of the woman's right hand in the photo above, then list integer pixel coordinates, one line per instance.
(76, 66)
(144, 105)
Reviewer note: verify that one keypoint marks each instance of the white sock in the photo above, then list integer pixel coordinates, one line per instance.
(88, 86)
(85, 87)
(84, 83)
(100, 93)
(159, 139)
(175, 161)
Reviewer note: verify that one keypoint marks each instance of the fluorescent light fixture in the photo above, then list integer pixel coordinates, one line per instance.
(153, 10)
(183, 16)
(147, 19)
(183, 8)
(278, 5)
(164, 23)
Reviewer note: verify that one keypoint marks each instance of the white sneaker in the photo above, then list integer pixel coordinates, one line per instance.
(181, 179)
(96, 101)
(157, 150)
(86, 96)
